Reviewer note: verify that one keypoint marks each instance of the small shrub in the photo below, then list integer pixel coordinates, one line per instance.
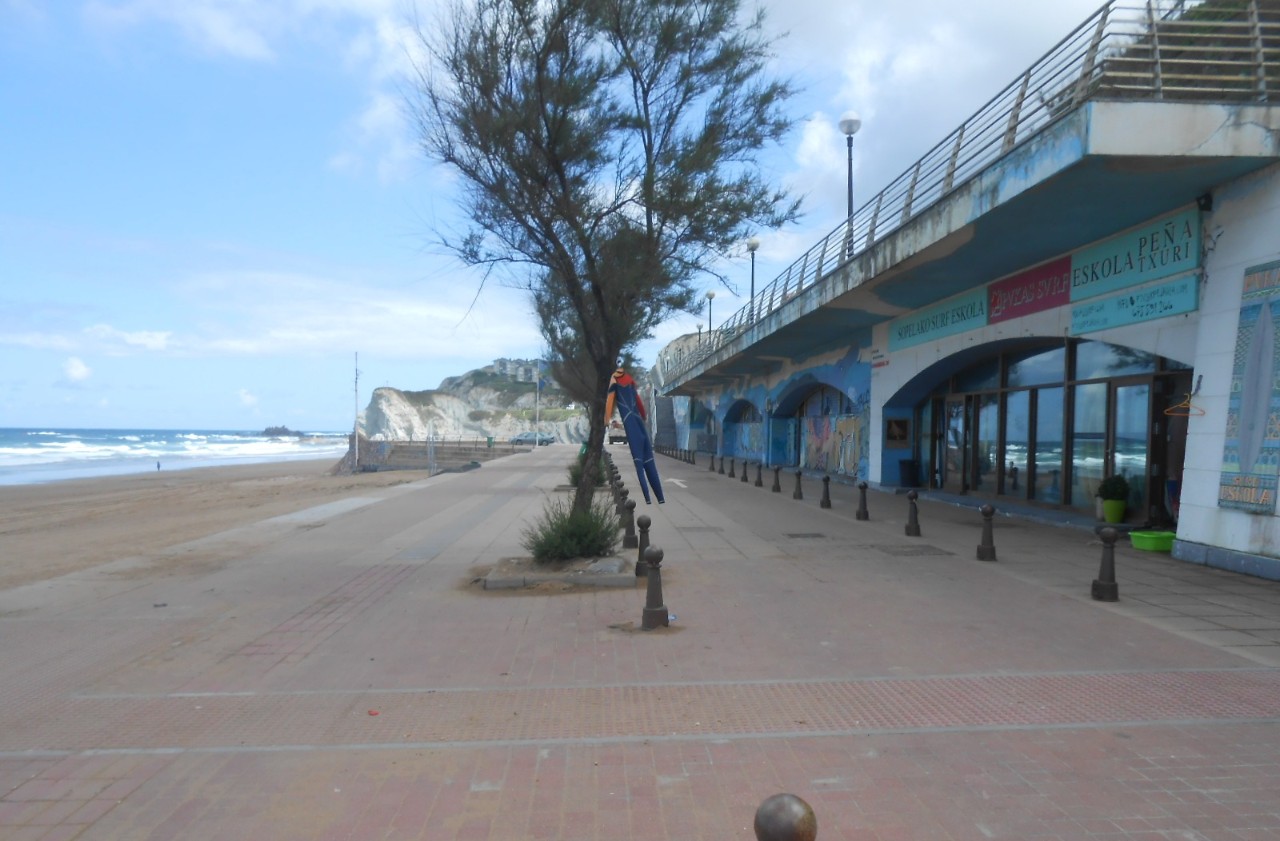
(575, 470)
(562, 534)
(1114, 487)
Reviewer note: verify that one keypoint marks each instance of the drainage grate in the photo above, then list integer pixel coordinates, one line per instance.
(806, 535)
(911, 551)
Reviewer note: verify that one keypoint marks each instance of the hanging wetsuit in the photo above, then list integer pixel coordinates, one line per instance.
(623, 394)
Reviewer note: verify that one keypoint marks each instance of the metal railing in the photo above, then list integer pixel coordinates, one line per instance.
(1182, 50)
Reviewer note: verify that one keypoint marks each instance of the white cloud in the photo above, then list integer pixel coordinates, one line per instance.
(117, 341)
(247, 398)
(75, 371)
(239, 28)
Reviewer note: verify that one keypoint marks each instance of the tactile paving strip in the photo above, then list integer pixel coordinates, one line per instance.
(650, 711)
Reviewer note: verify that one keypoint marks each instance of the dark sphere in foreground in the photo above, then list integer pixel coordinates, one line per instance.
(785, 817)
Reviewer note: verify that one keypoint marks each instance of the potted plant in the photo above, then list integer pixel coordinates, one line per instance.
(1114, 491)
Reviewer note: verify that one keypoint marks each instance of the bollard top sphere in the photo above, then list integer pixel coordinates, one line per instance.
(1108, 535)
(988, 510)
(630, 505)
(653, 556)
(643, 521)
(912, 495)
(785, 817)
(862, 486)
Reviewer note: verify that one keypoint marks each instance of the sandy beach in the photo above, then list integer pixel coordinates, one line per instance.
(52, 529)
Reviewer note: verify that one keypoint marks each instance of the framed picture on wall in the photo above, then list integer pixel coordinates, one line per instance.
(897, 432)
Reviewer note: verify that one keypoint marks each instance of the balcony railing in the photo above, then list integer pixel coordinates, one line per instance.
(1181, 50)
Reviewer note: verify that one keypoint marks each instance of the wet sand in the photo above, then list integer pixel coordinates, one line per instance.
(52, 529)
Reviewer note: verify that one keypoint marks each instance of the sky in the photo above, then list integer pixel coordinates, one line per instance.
(213, 213)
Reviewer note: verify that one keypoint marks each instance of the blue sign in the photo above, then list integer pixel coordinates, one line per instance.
(954, 315)
(1154, 250)
(1172, 298)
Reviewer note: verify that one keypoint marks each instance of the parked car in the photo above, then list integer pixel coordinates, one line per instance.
(617, 433)
(540, 439)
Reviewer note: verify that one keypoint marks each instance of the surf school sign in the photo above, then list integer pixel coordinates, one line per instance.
(1251, 453)
(955, 315)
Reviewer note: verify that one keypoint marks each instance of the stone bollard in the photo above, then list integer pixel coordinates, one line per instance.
(826, 493)
(987, 548)
(721, 471)
(862, 503)
(797, 493)
(777, 483)
(785, 817)
(629, 523)
(759, 468)
(1105, 588)
(655, 612)
(732, 462)
(642, 543)
(913, 521)
(744, 471)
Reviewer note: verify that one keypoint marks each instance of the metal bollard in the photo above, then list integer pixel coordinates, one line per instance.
(759, 468)
(655, 612)
(862, 502)
(643, 522)
(744, 470)
(623, 493)
(826, 493)
(721, 465)
(711, 462)
(987, 548)
(785, 817)
(629, 524)
(913, 521)
(1105, 588)
(732, 462)
(777, 484)
(797, 493)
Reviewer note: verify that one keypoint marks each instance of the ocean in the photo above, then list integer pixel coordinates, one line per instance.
(35, 456)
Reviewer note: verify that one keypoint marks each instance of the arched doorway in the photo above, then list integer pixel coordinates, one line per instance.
(1045, 421)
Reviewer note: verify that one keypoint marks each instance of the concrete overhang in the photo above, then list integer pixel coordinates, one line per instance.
(1106, 167)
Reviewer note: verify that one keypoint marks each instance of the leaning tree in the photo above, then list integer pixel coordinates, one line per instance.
(606, 160)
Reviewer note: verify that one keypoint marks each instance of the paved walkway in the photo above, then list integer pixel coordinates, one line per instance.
(339, 674)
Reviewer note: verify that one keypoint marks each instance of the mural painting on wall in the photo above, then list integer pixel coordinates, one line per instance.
(747, 438)
(1251, 453)
(836, 444)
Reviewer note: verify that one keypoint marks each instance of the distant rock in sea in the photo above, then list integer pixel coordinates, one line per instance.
(280, 432)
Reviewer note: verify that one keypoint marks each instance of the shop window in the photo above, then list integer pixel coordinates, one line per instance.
(1098, 360)
(981, 377)
(1038, 367)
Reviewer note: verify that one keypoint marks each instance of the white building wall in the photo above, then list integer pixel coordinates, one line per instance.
(1242, 231)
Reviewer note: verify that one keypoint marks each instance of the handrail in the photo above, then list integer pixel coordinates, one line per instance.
(1161, 50)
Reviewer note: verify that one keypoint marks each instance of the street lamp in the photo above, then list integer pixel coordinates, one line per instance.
(752, 245)
(710, 296)
(849, 123)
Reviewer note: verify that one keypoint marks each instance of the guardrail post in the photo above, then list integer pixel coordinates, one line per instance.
(759, 468)
(655, 613)
(777, 484)
(862, 503)
(744, 471)
(785, 817)
(987, 548)
(797, 493)
(1105, 588)
(826, 493)
(629, 524)
(642, 543)
(913, 521)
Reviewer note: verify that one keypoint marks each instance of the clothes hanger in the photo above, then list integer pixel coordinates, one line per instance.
(1186, 408)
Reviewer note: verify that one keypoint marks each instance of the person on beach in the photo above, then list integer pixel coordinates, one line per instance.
(623, 394)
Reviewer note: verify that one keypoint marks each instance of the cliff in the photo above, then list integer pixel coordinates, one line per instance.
(476, 405)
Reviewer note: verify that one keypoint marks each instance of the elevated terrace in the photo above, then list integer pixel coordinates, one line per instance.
(1142, 109)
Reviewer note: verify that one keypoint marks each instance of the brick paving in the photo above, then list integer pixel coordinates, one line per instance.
(339, 674)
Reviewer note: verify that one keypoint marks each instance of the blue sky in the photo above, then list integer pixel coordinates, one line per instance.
(209, 207)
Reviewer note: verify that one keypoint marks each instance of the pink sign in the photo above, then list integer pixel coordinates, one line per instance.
(1035, 290)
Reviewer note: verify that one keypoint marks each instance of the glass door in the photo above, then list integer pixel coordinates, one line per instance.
(955, 446)
(1130, 447)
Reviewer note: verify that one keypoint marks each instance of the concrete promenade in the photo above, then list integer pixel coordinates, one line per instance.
(338, 674)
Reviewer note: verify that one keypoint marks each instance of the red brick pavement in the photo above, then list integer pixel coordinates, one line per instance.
(904, 689)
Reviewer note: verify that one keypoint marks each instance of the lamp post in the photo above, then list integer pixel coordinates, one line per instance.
(710, 295)
(849, 123)
(752, 245)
